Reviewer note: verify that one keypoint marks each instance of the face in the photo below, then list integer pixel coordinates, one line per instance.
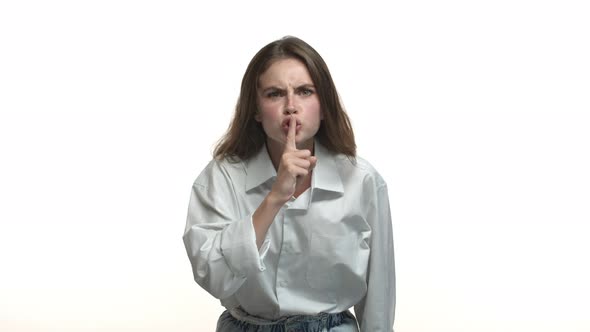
(285, 89)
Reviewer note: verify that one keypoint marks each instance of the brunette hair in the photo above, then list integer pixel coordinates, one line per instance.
(245, 136)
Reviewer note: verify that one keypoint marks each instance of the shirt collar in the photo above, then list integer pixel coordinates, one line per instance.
(326, 175)
(259, 169)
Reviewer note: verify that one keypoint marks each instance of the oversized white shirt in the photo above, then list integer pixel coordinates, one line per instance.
(328, 250)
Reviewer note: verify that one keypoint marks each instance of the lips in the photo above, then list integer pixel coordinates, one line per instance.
(285, 125)
(287, 120)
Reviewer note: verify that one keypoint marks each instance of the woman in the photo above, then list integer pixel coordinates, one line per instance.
(287, 226)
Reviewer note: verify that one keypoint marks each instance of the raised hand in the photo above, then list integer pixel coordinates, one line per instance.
(294, 173)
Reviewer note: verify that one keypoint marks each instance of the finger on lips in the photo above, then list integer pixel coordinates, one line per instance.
(303, 158)
(291, 134)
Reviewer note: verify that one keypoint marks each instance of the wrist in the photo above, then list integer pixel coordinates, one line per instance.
(275, 200)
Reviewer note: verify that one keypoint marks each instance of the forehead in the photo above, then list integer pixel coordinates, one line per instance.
(288, 71)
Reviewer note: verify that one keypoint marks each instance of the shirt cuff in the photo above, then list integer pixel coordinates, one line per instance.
(238, 246)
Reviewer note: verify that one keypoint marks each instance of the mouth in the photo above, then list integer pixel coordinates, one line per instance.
(285, 125)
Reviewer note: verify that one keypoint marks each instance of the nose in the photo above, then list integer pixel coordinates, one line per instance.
(290, 106)
(290, 110)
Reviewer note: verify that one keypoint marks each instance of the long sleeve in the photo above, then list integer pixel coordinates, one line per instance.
(375, 312)
(220, 243)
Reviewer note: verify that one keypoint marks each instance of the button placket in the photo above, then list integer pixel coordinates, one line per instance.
(282, 274)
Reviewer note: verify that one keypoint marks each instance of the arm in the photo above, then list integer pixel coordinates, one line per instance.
(294, 166)
(221, 244)
(375, 312)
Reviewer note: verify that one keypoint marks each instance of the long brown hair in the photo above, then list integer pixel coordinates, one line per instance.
(245, 136)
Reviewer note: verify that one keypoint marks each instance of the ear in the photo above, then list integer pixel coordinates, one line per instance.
(257, 115)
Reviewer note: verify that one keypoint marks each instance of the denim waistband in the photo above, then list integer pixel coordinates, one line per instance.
(301, 322)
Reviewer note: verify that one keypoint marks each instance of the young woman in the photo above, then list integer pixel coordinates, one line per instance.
(286, 225)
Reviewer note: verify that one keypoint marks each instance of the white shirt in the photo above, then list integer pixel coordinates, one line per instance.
(326, 251)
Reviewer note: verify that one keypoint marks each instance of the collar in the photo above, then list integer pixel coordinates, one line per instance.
(259, 170)
(326, 175)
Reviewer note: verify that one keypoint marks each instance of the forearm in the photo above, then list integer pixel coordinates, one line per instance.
(222, 255)
(264, 216)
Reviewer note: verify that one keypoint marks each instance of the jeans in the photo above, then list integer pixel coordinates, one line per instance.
(239, 321)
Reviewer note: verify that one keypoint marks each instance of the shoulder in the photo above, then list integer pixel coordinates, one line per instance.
(220, 169)
(359, 169)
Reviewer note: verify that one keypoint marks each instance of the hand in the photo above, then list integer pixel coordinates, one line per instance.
(295, 167)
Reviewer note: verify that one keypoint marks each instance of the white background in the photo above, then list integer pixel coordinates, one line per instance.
(476, 113)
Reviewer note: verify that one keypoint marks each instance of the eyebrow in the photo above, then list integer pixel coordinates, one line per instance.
(274, 87)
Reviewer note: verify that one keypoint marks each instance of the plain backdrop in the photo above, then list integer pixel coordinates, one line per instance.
(476, 113)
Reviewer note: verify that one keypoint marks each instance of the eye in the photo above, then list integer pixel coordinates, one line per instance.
(305, 92)
(274, 94)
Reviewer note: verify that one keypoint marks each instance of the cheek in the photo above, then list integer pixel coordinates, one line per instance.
(268, 108)
(268, 118)
(314, 110)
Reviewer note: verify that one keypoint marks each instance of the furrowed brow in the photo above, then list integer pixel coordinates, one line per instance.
(271, 88)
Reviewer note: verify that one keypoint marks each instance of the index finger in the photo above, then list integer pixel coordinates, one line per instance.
(290, 144)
